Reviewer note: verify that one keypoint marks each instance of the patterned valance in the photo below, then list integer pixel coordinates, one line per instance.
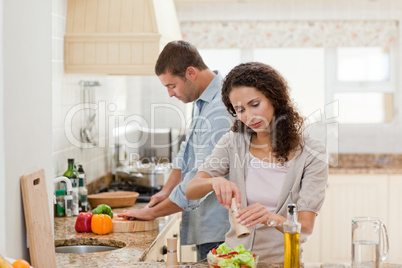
(262, 34)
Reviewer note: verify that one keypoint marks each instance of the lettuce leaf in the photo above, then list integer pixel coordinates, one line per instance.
(236, 261)
(223, 249)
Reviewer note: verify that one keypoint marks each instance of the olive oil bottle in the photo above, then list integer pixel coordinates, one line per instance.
(291, 230)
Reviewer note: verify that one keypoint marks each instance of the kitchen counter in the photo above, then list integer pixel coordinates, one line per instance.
(365, 164)
(137, 246)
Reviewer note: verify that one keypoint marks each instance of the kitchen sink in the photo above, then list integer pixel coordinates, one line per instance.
(83, 249)
(87, 245)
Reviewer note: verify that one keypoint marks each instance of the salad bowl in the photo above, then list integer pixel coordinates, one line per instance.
(238, 257)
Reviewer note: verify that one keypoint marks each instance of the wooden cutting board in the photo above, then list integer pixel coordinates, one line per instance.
(37, 219)
(121, 225)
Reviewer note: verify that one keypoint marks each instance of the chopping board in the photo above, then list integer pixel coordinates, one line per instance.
(37, 219)
(121, 225)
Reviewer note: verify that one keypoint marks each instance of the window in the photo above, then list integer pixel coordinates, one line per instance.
(222, 60)
(303, 68)
(362, 80)
(366, 64)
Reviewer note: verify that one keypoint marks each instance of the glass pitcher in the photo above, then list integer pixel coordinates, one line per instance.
(369, 242)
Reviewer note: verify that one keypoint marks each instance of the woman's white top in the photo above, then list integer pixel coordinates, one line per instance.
(264, 182)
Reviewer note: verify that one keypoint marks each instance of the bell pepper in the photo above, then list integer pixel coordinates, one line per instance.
(83, 222)
(101, 224)
(103, 209)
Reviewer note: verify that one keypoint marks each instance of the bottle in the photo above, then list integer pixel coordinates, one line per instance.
(68, 205)
(82, 190)
(291, 230)
(72, 174)
(60, 203)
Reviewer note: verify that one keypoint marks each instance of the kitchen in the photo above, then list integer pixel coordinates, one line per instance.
(36, 95)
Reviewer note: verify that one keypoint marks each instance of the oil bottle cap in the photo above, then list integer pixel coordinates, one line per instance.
(60, 192)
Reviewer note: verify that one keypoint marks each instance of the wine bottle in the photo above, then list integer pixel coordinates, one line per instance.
(82, 190)
(72, 174)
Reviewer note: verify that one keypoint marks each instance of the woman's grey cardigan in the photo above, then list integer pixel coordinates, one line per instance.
(306, 178)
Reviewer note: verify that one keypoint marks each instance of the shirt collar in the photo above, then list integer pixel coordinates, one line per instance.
(212, 89)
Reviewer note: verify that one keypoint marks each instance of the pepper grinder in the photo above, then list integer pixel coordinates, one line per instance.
(171, 252)
(241, 230)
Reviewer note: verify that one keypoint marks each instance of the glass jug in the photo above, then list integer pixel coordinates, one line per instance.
(369, 242)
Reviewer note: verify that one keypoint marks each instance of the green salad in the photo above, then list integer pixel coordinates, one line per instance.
(238, 257)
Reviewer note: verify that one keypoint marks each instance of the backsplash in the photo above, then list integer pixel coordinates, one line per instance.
(375, 161)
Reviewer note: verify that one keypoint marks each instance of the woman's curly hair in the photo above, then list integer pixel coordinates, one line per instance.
(287, 125)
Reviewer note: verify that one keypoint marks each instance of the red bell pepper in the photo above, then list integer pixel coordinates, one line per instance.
(83, 222)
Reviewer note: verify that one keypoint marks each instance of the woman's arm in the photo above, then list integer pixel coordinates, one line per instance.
(203, 183)
(199, 186)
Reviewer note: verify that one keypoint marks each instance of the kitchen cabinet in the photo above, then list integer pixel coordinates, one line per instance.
(349, 196)
(157, 252)
(395, 219)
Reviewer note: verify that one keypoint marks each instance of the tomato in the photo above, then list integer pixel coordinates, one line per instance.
(228, 254)
(244, 266)
(214, 251)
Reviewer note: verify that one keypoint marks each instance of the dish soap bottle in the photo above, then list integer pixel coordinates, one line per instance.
(291, 230)
(72, 174)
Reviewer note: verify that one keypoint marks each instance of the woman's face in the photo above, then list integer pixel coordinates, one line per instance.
(252, 108)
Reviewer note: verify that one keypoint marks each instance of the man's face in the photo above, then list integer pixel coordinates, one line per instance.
(182, 89)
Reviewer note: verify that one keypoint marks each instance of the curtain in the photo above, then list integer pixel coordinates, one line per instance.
(274, 34)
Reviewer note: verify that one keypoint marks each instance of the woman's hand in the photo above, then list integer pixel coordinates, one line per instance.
(225, 190)
(257, 213)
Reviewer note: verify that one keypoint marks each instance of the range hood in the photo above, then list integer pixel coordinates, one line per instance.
(117, 36)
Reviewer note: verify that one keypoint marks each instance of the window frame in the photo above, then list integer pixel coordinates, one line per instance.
(333, 85)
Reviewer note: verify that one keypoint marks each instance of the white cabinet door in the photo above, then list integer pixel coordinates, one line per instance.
(349, 196)
(395, 219)
(172, 230)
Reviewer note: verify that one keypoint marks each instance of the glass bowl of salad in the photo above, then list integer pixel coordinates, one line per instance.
(238, 257)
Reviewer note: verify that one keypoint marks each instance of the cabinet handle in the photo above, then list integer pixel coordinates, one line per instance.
(175, 235)
(164, 250)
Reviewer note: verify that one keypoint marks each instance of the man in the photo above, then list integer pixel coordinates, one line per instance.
(183, 72)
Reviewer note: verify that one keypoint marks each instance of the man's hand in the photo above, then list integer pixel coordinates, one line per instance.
(157, 198)
(140, 214)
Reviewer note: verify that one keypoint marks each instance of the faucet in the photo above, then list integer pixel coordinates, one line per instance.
(68, 184)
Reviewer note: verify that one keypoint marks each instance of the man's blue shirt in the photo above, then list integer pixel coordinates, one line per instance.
(209, 222)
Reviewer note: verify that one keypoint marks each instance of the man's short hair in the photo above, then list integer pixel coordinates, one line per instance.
(176, 57)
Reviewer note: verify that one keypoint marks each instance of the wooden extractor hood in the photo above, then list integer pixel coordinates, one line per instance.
(117, 36)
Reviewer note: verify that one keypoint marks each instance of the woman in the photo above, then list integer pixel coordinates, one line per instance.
(265, 157)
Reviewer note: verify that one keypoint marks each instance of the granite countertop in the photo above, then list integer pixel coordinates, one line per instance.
(137, 245)
(365, 164)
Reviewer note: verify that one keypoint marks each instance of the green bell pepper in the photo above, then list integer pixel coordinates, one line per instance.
(103, 209)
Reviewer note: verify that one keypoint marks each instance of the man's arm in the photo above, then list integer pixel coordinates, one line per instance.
(166, 207)
(174, 179)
